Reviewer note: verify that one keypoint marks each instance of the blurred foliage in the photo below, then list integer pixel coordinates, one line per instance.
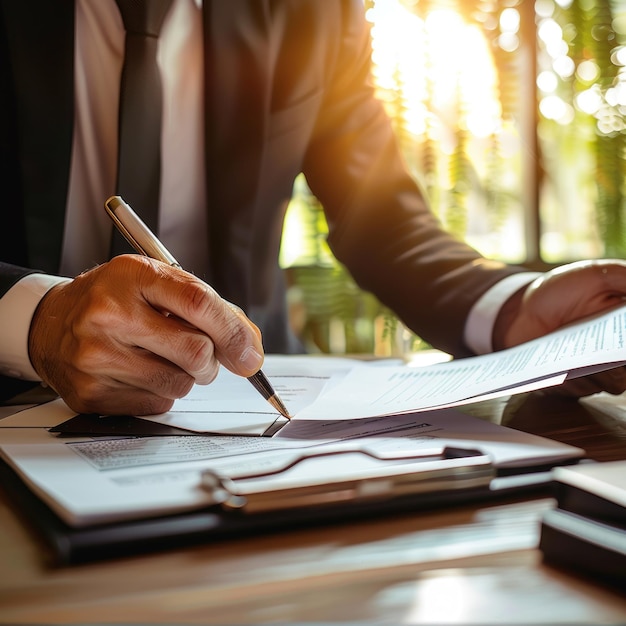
(592, 33)
(331, 314)
(582, 121)
(465, 171)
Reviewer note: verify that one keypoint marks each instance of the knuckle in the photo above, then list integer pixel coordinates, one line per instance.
(160, 378)
(199, 352)
(170, 383)
(91, 355)
(123, 262)
(203, 301)
(91, 396)
(184, 384)
(150, 404)
(236, 337)
(102, 311)
(209, 374)
(86, 349)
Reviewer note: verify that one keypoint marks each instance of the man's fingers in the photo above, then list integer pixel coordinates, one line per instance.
(129, 380)
(177, 342)
(237, 341)
(117, 399)
(132, 335)
(612, 381)
(564, 295)
(239, 312)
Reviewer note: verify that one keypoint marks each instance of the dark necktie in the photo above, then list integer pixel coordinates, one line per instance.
(139, 157)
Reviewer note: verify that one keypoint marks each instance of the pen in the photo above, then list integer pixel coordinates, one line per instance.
(144, 241)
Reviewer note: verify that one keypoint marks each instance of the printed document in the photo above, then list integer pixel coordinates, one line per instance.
(573, 351)
(315, 389)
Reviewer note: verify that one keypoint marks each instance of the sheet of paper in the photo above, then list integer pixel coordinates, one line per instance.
(45, 415)
(607, 405)
(595, 344)
(449, 427)
(90, 481)
(231, 405)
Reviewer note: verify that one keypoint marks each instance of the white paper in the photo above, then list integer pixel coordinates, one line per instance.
(606, 480)
(337, 403)
(592, 345)
(231, 405)
(45, 415)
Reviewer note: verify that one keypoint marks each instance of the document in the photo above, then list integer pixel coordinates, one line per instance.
(586, 530)
(317, 389)
(573, 351)
(606, 482)
(229, 405)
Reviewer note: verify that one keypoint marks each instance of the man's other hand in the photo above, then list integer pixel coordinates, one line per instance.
(560, 297)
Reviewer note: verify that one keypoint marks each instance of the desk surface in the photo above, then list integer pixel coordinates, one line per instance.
(470, 564)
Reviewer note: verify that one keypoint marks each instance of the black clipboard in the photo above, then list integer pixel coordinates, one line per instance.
(68, 545)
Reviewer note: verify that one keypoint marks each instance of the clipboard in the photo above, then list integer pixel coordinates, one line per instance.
(446, 477)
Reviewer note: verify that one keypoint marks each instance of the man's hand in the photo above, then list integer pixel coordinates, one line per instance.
(132, 335)
(560, 297)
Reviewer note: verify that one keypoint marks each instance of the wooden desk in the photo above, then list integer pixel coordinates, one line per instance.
(473, 564)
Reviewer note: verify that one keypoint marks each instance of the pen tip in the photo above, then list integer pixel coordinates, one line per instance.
(276, 402)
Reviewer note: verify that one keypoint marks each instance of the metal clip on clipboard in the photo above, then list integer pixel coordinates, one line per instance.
(447, 469)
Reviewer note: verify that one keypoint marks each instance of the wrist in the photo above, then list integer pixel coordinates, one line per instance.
(505, 318)
(479, 326)
(40, 331)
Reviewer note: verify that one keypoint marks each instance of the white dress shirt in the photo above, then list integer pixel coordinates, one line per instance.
(98, 62)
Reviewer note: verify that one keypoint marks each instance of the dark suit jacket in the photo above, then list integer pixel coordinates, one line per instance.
(287, 90)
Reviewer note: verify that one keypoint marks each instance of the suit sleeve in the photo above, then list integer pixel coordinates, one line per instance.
(380, 225)
(9, 275)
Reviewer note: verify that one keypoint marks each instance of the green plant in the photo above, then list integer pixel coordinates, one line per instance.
(592, 131)
(336, 315)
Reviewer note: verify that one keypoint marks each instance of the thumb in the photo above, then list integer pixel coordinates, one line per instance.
(251, 358)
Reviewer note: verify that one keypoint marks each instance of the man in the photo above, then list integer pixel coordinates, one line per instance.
(254, 92)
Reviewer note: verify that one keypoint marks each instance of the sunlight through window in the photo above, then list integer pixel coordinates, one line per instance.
(436, 73)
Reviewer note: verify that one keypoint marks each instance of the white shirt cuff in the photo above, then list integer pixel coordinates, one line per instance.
(482, 317)
(17, 307)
